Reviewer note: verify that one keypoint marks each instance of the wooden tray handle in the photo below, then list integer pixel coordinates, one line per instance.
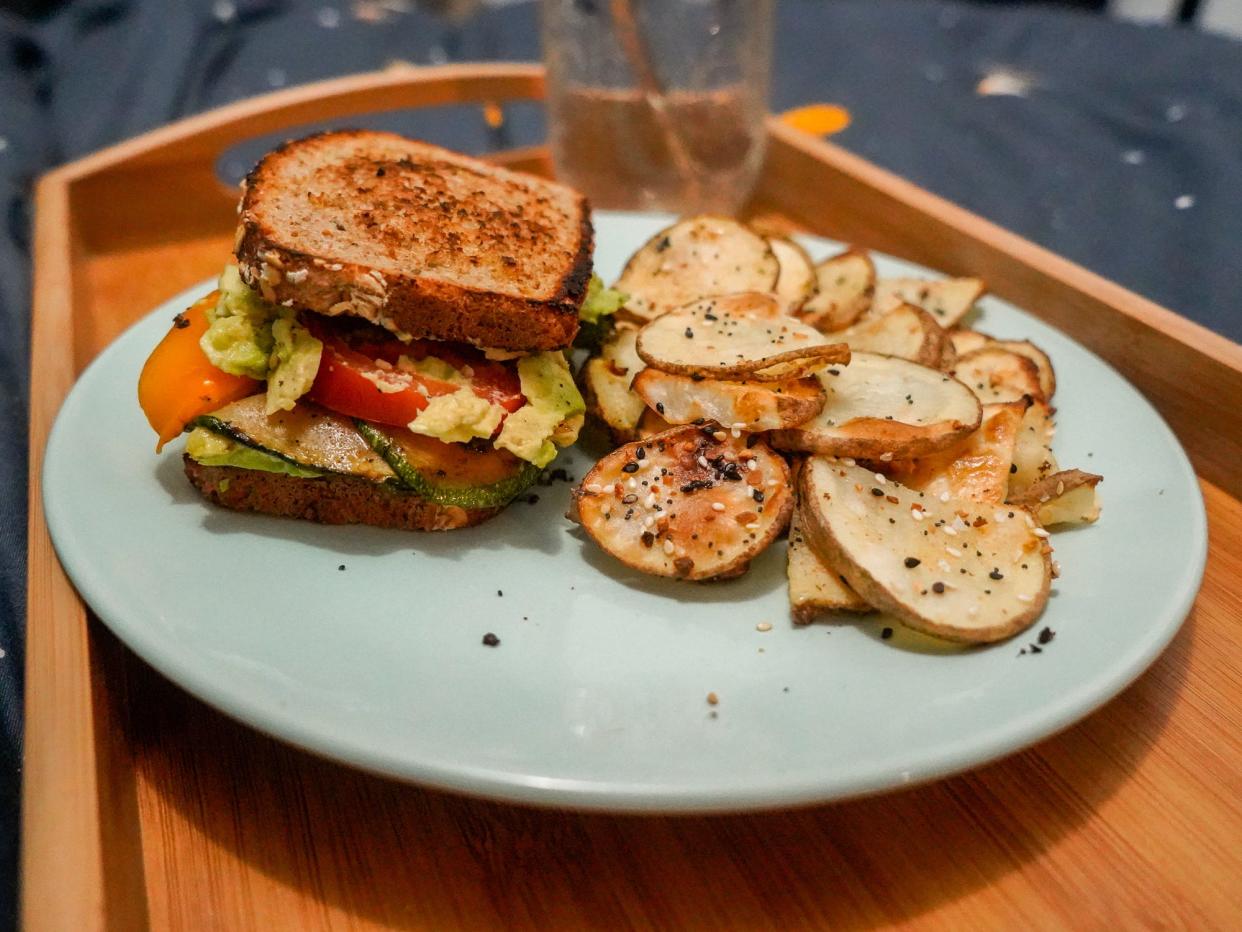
(202, 139)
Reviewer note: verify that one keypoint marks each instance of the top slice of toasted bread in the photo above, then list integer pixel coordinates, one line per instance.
(421, 240)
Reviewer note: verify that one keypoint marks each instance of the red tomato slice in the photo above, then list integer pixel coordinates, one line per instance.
(352, 364)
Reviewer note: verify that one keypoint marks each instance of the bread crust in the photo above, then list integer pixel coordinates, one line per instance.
(512, 254)
(328, 500)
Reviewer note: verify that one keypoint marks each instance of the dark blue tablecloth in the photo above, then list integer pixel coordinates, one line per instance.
(1124, 152)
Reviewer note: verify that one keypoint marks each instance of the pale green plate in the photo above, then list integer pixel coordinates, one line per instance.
(596, 696)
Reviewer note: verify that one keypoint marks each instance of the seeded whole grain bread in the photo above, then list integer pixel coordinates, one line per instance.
(421, 240)
(328, 500)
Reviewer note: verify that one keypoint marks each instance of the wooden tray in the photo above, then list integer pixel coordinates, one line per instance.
(144, 808)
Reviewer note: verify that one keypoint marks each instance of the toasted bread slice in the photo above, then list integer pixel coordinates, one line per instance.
(418, 239)
(328, 500)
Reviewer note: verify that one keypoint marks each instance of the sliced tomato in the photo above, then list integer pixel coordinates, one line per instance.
(178, 381)
(359, 376)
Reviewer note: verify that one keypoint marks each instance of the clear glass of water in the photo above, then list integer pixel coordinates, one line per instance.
(658, 104)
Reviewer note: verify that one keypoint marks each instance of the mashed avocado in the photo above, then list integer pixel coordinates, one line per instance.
(213, 450)
(534, 430)
(600, 302)
(457, 418)
(249, 336)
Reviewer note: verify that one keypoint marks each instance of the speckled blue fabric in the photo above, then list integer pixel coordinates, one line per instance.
(1123, 150)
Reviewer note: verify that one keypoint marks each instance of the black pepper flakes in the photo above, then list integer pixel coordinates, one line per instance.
(1013, 468)
(886, 633)
(181, 321)
(341, 568)
(490, 640)
(499, 594)
(996, 574)
(1046, 635)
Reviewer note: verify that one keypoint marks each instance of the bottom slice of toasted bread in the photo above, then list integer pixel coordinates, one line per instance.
(328, 500)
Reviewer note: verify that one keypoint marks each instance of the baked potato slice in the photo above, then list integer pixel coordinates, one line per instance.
(796, 282)
(906, 331)
(884, 408)
(696, 258)
(976, 468)
(741, 336)
(1033, 458)
(844, 285)
(1047, 376)
(959, 570)
(651, 424)
(749, 406)
(606, 385)
(965, 340)
(948, 300)
(999, 375)
(814, 587)
(691, 503)
(1065, 497)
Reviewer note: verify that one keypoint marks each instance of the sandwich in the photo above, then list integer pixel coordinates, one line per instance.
(388, 346)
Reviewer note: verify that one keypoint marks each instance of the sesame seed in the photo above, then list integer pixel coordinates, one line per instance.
(950, 530)
(973, 611)
(650, 501)
(753, 526)
(953, 552)
(703, 462)
(739, 425)
(879, 477)
(735, 432)
(648, 521)
(716, 506)
(1025, 598)
(712, 699)
(669, 546)
(631, 484)
(594, 488)
(886, 457)
(916, 514)
(763, 626)
(944, 565)
(1040, 532)
(944, 496)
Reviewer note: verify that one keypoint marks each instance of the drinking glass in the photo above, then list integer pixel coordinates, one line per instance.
(658, 104)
